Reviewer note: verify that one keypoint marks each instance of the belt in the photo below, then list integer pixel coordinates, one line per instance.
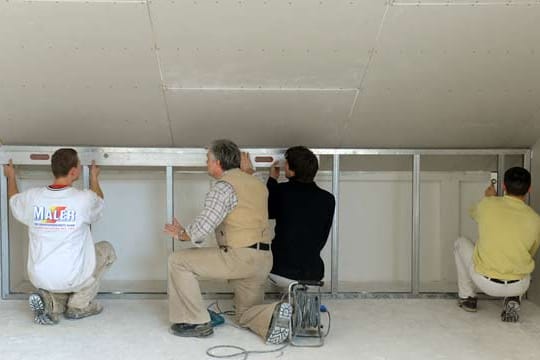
(499, 281)
(260, 246)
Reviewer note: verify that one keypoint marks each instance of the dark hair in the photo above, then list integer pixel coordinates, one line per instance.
(517, 181)
(63, 160)
(303, 162)
(227, 153)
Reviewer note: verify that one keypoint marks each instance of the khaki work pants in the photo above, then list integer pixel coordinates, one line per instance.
(246, 270)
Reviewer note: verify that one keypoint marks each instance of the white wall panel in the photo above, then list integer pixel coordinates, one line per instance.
(133, 221)
(301, 43)
(446, 199)
(474, 192)
(375, 232)
(79, 73)
(261, 118)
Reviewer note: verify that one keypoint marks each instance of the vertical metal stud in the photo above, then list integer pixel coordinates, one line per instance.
(500, 174)
(170, 198)
(335, 227)
(415, 251)
(86, 177)
(527, 161)
(4, 234)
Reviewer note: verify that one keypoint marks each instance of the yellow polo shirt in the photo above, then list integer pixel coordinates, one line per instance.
(509, 236)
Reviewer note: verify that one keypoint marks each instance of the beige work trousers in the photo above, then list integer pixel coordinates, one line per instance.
(246, 270)
(105, 257)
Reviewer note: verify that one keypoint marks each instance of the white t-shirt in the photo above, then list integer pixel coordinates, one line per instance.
(61, 255)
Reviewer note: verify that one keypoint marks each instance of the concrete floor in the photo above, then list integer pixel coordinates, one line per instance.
(361, 329)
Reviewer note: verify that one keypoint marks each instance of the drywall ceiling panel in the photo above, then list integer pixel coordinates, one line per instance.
(69, 71)
(86, 117)
(452, 77)
(259, 118)
(268, 44)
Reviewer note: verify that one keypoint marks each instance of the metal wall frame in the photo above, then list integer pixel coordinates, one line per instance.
(171, 158)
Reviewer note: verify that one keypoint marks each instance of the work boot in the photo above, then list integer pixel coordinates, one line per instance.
(468, 304)
(41, 304)
(192, 330)
(93, 308)
(279, 329)
(511, 308)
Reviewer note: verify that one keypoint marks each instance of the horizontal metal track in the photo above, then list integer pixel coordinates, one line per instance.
(193, 157)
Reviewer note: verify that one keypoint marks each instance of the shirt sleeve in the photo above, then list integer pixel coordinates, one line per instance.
(219, 202)
(19, 207)
(95, 207)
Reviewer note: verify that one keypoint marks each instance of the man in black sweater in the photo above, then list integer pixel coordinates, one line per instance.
(303, 213)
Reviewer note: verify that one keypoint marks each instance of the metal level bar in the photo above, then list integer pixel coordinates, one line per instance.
(500, 174)
(415, 251)
(335, 227)
(4, 234)
(26, 155)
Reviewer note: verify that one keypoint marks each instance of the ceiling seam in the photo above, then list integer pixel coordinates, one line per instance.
(370, 60)
(160, 69)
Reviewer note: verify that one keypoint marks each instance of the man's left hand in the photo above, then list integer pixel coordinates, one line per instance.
(94, 170)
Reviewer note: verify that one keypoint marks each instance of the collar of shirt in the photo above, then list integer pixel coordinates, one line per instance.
(57, 187)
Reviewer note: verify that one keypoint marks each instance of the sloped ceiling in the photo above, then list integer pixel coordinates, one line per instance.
(333, 73)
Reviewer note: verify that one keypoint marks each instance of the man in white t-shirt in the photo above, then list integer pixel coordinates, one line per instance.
(63, 261)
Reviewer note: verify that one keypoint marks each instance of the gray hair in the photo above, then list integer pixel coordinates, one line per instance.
(227, 152)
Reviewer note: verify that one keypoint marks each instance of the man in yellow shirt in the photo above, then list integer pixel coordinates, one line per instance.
(502, 260)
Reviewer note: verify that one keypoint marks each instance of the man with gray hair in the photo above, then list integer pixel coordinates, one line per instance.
(236, 208)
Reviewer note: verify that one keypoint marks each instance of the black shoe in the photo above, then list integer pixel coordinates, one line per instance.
(468, 304)
(192, 330)
(511, 308)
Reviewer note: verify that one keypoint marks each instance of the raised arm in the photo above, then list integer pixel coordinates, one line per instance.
(9, 172)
